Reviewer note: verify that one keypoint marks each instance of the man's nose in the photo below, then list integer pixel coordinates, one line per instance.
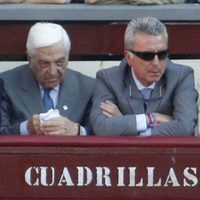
(155, 60)
(52, 69)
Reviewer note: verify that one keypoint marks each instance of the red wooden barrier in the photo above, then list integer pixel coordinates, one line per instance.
(41, 167)
(100, 40)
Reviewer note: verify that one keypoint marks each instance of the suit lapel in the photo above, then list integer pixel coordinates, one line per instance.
(66, 99)
(156, 96)
(30, 93)
(134, 96)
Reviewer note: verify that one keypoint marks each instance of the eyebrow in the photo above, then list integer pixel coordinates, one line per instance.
(61, 59)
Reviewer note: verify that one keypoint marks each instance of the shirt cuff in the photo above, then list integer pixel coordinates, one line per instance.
(146, 133)
(83, 131)
(23, 128)
(141, 122)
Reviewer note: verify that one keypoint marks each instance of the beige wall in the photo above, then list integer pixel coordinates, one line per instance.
(90, 67)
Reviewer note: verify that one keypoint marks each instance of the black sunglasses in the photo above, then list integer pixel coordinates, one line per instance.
(147, 56)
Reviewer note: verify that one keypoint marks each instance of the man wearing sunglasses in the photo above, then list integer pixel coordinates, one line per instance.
(147, 94)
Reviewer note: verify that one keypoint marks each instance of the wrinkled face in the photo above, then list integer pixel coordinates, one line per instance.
(148, 71)
(48, 65)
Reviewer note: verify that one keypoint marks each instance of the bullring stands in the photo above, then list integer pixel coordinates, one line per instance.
(97, 31)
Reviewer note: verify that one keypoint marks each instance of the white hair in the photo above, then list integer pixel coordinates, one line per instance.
(44, 34)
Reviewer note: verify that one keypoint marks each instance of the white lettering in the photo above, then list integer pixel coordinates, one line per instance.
(171, 179)
(65, 178)
(41, 176)
(103, 175)
(48, 176)
(28, 176)
(132, 172)
(191, 177)
(44, 176)
(150, 178)
(120, 176)
(81, 176)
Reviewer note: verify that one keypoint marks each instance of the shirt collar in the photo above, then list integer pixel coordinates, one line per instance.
(139, 84)
(56, 88)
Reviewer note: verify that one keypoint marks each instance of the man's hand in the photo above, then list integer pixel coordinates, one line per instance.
(162, 118)
(60, 126)
(109, 109)
(91, 1)
(34, 125)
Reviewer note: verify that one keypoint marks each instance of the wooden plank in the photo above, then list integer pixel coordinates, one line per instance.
(102, 40)
(42, 167)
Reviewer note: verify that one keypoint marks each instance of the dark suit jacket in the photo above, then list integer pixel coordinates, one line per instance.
(1, 90)
(23, 98)
(1, 95)
(173, 95)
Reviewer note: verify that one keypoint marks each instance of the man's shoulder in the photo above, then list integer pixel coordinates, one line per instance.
(176, 73)
(79, 80)
(78, 75)
(115, 71)
(13, 72)
(108, 71)
(175, 67)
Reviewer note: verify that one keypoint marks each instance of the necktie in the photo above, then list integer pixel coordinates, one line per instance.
(47, 100)
(146, 92)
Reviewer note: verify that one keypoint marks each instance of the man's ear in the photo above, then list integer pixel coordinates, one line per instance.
(29, 60)
(128, 57)
(28, 57)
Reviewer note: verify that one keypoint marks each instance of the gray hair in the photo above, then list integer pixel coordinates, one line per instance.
(149, 25)
(45, 35)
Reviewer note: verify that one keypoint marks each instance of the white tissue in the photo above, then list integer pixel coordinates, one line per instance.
(52, 113)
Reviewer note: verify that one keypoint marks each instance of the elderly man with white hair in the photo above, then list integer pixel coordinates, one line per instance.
(44, 96)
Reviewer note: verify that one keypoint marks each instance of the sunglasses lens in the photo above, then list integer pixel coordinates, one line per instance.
(162, 55)
(148, 56)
